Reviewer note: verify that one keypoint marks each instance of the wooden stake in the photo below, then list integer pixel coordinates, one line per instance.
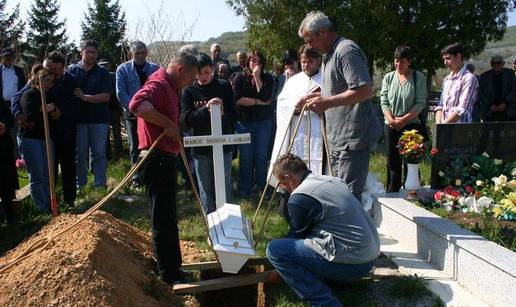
(50, 156)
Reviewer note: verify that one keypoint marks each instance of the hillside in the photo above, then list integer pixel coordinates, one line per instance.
(505, 47)
(230, 43)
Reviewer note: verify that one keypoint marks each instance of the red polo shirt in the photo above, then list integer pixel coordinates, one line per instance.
(160, 91)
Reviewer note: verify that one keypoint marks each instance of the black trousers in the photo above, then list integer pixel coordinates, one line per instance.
(64, 147)
(159, 176)
(394, 162)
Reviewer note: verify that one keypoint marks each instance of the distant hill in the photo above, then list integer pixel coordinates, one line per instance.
(505, 47)
(230, 43)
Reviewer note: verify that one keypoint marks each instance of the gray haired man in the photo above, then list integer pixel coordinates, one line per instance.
(130, 77)
(216, 57)
(345, 98)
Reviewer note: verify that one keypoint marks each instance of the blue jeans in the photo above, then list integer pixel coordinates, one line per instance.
(35, 155)
(253, 156)
(91, 139)
(205, 178)
(132, 137)
(306, 272)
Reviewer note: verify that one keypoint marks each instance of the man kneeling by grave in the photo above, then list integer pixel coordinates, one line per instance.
(331, 237)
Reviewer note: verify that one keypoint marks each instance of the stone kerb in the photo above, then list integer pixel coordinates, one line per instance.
(485, 269)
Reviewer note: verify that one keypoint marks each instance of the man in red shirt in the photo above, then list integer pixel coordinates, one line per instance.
(157, 105)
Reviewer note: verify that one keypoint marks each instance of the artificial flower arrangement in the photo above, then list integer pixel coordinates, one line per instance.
(413, 148)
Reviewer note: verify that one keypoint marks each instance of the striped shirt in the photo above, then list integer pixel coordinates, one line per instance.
(349, 127)
(458, 95)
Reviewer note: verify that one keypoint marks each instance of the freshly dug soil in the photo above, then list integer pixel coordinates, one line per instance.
(101, 262)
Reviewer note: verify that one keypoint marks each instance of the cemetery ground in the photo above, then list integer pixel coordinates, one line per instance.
(391, 289)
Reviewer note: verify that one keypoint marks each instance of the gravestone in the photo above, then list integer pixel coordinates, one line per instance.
(498, 139)
(229, 230)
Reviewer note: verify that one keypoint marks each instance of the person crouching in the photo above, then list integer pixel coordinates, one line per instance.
(331, 237)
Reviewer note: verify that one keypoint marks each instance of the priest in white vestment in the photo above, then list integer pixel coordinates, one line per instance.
(308, 142)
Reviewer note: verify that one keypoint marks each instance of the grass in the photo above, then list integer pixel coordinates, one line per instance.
(502, 233)
(191, 227)
(378, 166)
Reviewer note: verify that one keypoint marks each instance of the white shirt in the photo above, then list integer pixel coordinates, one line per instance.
(9, 82)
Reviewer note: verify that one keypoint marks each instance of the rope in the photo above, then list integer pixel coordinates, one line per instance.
(198, 199)
(326, 143)
(41, 244)
(327, 151)
(269, 208)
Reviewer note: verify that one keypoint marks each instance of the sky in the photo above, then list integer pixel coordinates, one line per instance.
(209, 18)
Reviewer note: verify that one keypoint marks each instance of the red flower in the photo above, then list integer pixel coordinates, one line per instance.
(455, 194)
(448, 189)
(477, 194)
(468, 189)
(434, 152)
(438, 195)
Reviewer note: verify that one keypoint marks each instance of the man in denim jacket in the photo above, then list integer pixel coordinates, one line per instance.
(130, 77)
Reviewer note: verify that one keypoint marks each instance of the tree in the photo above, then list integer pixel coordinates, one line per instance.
(46, 33)
(105, 22)
(12, 27)
(378, 26)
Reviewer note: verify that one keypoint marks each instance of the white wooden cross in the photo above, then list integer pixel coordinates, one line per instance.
(217, 140)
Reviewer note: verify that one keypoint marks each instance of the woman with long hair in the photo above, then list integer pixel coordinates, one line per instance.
(253, 95)
(32, 140)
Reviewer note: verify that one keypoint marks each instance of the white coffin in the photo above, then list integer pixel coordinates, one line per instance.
(232, 237)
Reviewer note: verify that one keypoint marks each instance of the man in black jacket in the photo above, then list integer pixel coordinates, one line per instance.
(12, 79)
(496, 92)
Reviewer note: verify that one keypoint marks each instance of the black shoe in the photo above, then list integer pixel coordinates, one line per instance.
(184, 277)
(136, 186)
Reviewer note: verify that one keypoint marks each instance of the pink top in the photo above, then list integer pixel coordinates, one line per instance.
(160, 92)
(458, 95)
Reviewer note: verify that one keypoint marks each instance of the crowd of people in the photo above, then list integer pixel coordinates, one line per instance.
(331, 236)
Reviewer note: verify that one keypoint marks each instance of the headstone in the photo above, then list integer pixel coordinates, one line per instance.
(229, 230)
(498, 139)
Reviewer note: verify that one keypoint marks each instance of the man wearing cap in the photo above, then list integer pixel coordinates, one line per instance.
(12, 79)
(497, 90)
(130, 77)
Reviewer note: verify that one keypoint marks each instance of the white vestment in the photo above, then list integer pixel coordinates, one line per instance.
(308, 143)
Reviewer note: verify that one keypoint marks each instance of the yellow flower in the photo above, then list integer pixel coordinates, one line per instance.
(497, 211)
(458, 182)
(479, 183)
(512, 185)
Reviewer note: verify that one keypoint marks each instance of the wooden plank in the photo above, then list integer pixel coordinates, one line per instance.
(221, 283)
(260, 289)
(211, 265)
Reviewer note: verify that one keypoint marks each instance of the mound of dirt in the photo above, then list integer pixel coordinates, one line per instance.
(101, 262)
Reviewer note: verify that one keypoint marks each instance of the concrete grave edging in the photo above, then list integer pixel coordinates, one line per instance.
(420, 241)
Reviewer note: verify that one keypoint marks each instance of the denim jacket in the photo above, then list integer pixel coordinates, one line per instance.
(128, 82)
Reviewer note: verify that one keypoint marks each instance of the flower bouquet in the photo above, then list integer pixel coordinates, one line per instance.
(413, 148)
